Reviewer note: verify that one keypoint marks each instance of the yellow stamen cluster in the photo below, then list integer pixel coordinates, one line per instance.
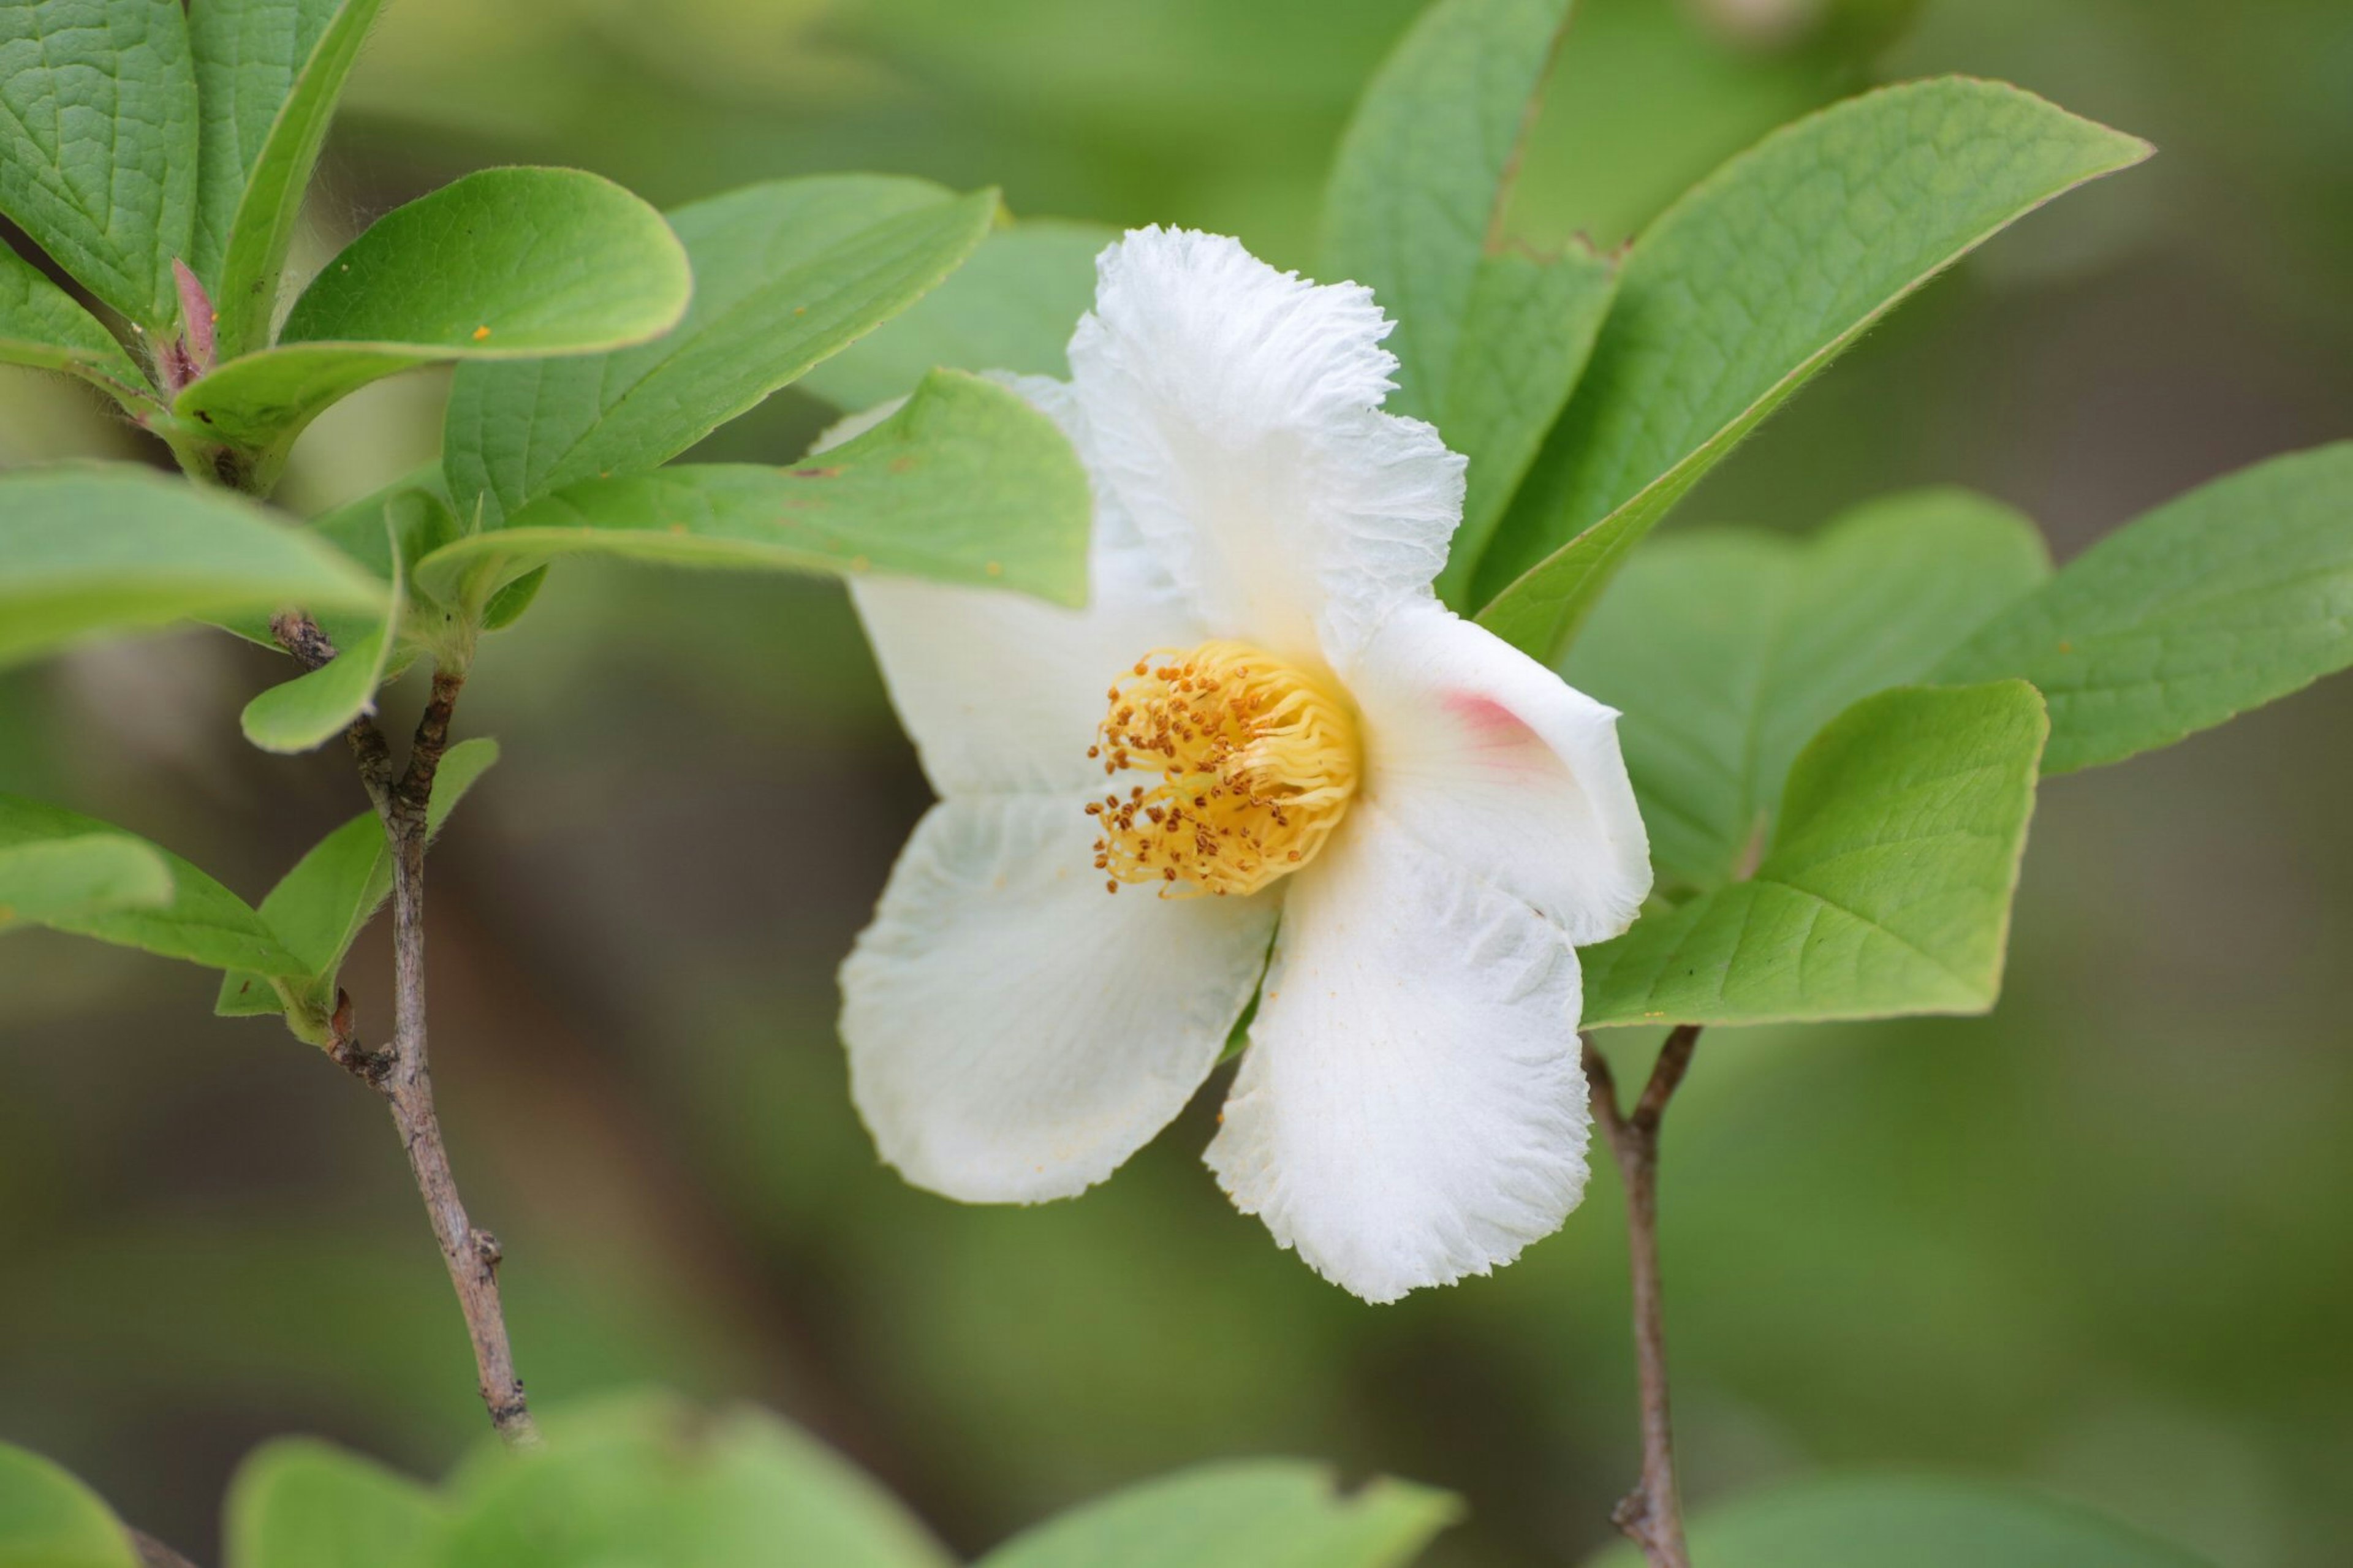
(1257, 758)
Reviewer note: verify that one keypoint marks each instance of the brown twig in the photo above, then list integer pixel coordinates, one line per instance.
(153, 1553)
(404, 1074)
(1651, 1514)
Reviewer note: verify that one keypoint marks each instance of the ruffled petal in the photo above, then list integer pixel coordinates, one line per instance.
(1015, 1031)
(1412, 1109)
(1498, 764)
(1000, 692)
(1235, 415)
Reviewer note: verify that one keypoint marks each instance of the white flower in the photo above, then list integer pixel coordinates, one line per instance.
(1404, 823)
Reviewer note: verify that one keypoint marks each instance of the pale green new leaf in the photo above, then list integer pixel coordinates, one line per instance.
(1887, 887)
(1489, 338)
(1725, 649)
(202, 922)
(1277, 1512)
(1918, 1521)
(41, 326)
(1745, 289)
(1012, 307)
(268, 75)
(298, 1503)
(2221, 600)
(320, 704)
(85, 550)
(504, 264)
(786, 274)
(49, 1520)
(967, 483)
(98, 143)
(57, 879)
(318, 909)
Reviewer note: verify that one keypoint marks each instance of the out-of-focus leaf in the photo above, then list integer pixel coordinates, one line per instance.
(1745, 289)
(1725, 649)
(2221, 600)
(57, 878)
(41, 326)
(967, 483)
(85, 550)
(296, 1503)
(320, 704)
(1012, 307)
(1271, 1512)
(786, 274)
(1489, 338)
(1887, 887)
(49, 1520)
(268, 75)
(1919, 1522)
(203, 921)
(649, 1481)
(98, 143)
(504, 264)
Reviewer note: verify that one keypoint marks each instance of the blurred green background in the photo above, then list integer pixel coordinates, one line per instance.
(2102, 1241)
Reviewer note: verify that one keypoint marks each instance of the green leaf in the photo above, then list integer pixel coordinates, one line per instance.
(1489, 338)
(98, 143)
(320, 704)
(268, 75)
(1269, 1511)
(506, 264)
(1745, 288)
(296, 1504)
(41, 326)
(318, 909)
(49, 1520)
(647, 1482)
(786, 274)
(967, 483)
(1919, 1522)
(1887, 887)
(2224, 599)
(59, 879)
(85, 550)
(203, 921)
(1012, 307)
(1725, 649)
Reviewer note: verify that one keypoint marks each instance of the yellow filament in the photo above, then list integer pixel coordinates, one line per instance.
(1256, 757)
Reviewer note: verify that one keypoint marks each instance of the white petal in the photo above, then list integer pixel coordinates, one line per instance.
(1497, 763)
(1015, 1031)
(1000, 692)
(1412, 1109)
(1235, 416)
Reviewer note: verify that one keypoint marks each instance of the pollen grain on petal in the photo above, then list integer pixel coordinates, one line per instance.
(1257, 759)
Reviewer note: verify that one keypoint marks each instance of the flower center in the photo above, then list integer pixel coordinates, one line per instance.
(1257, 760)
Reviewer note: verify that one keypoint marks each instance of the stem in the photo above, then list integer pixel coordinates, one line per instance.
(403, 1075)
(153, 1553)
(1651, 1514)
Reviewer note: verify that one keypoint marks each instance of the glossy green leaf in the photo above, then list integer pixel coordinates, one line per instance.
(1745, 289)
(41, 326)
(967, 483)
(318, 909)
(98, 143)
(268, 75)
(85, 550)
(57, 878)
(296, 1503)
(1885, 891)
(786, 274)
(1919, 1522)
(1726, 650)
(1271, 1512)
(1012, 307)
(49, 1520)
(502, 265)
(320, 704)
(1490, 338)
(203, 923)
(647, 1482)
(2224, 599)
